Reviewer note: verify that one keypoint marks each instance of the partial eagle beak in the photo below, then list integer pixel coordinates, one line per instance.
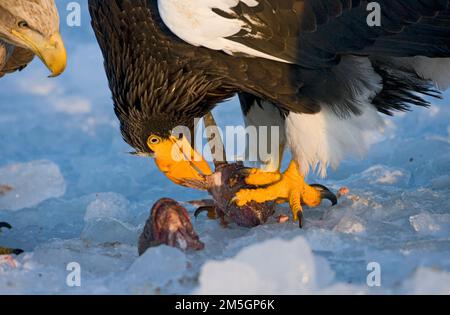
(191, 155)
(180, 162)
(50, 50)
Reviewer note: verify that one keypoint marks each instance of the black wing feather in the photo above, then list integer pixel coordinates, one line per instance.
(315, 33)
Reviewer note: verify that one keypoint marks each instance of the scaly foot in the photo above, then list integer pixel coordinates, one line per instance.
(288, 187)
(8, 251)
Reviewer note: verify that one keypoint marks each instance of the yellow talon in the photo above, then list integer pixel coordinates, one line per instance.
(288, 187)
(295, 203)
(259, 177)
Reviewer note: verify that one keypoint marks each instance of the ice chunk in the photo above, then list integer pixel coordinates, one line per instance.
(390, 177)
(232, 277)
(101, 260)
(106, 220)
(31, 183)
(428, 281)
(107, 205)
(350, 224)
(272, 267)
(427, 223)
(156, 268)
(110, 230)
(441, 182)
(382, 175)
(44, 271)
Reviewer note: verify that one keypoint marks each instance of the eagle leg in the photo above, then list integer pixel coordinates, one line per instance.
(8, 251)
(287, 187)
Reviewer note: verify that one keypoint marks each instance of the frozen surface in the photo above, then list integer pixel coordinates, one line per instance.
(77, 196)
(29, 184)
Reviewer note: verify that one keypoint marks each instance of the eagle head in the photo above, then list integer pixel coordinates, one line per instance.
(157, 112)
(34, 25)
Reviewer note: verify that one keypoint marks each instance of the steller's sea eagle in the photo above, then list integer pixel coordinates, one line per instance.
(317, 68)
(29, 28)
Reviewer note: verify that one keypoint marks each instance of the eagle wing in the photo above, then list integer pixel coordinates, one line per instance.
(311, 33)
(317, 39)
(302, 45)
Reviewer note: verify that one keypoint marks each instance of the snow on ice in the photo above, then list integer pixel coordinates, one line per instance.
(30, 183)
(77, 196)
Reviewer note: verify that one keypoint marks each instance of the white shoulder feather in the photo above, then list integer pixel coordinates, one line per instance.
(195, 22)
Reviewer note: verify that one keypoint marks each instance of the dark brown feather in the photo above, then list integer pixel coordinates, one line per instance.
(158, 81)
(18, 60)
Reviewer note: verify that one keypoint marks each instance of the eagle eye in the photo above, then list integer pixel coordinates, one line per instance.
(23, 24)
(154, 140)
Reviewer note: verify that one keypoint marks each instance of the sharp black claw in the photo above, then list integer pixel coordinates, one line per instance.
(5, 225)
(325, 193)
(300, 219)
(200, 211)
(207, 209)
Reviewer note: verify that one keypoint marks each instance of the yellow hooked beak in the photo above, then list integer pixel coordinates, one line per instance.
(178, 160)
(50, 50)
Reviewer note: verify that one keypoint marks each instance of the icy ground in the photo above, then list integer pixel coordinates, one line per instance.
(79, 197)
